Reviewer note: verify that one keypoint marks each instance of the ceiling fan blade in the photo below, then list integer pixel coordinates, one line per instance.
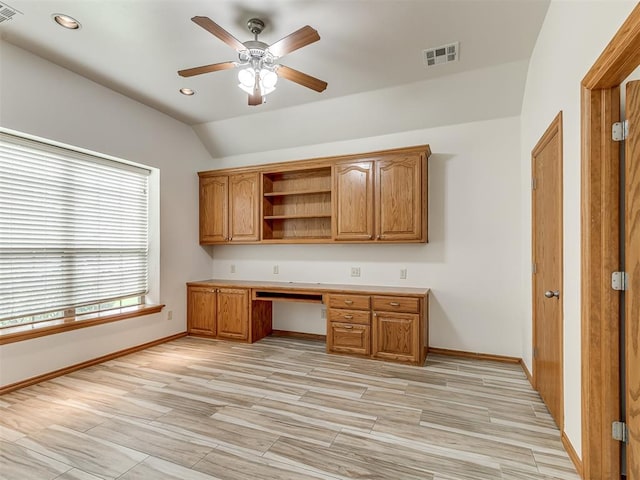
(214, 67)
(215, 29)
(301, 78)
(298, 39)
(255, 98)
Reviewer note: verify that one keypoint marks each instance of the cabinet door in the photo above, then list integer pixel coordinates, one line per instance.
(244, 207)
(201, 311)
(396, 336)
(353, 201)
(348, 338)
(400, 211)
(214, 209)
(233, 313)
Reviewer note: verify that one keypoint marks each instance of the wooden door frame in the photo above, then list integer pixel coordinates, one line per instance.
(554, 129)
(600, 247)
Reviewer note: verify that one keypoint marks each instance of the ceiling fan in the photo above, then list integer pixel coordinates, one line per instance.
(258, 60)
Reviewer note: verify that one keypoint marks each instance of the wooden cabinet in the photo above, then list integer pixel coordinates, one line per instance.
(400, 203)
(399, 330)
(229, 208)
(348, 323)
(232, 313)
(201, 311)
(353, 206)
(382, 199)
(214, 209)
(387, 323)
(218, 312)
(244, 207)
(372, 197)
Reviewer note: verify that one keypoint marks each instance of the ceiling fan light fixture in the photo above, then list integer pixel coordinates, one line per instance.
(268, 79)
(247, 77)
(66, 21)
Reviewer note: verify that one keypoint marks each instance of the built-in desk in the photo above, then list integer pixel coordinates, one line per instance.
(388, 323)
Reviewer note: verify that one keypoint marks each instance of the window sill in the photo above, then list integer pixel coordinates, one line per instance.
(51, 327)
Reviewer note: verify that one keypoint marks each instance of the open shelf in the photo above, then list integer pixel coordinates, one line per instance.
(297, 204)
(297, 192)
(299, 215)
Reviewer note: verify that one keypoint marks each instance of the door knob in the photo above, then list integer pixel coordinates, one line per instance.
(552, 293)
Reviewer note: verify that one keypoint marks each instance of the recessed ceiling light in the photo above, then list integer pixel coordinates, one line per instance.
(187, 91)
(66, 21)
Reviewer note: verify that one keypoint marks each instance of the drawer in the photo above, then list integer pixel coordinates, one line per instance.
(396, 304)
(353, 302)
(349, 316)
(347, 338)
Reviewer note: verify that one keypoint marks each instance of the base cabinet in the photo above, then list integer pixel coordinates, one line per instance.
(218, 312)
(201, 311)
(396, 336)
(232, 313)
(390, 324)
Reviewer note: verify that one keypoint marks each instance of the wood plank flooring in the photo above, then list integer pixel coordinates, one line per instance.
(196, 409)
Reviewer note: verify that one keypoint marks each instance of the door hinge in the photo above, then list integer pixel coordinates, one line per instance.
(619, 281)
(535, 352)
(533, 183)
(620, 131)
(534, 269)
(619, 431)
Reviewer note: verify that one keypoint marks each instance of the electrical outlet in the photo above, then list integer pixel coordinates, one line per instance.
(233, 269)
(355, 271)
(170, 315)
(323, 313)
(403, 274)
(276, 270)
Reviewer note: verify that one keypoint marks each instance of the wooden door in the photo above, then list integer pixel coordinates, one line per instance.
(353, 201)
(396, 336)
(233, 313)
(632, 267)
(399, 201)
(546, 160)
(244, 207)
(214, 209)
(201, 311)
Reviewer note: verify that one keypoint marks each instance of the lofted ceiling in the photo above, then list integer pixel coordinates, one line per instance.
(136, 47)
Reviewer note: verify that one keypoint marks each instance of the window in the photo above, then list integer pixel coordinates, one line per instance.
(74, 232)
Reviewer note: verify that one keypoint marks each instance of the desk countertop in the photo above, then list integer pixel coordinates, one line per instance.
(313, 287)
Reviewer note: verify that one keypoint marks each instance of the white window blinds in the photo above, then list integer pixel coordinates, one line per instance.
(73, 228)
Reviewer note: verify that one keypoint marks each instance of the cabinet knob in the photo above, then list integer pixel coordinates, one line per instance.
(377, 237)
(394, 304)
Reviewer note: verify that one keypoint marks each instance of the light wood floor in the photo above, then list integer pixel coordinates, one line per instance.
(279, 409)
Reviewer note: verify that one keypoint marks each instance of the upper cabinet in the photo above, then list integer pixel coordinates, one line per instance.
(372, 197)
(229, 208)
(400, 203)
(382, 200)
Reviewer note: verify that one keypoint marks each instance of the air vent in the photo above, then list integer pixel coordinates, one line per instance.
(7, 12)
(443, 54)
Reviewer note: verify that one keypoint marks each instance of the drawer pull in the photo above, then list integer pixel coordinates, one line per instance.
(348, 302)
(394, 304)
(349, 327)
(348, 317)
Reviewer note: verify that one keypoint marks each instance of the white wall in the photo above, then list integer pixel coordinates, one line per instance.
(482, 94)
(571, 39)
(472, 259)
(42, 99)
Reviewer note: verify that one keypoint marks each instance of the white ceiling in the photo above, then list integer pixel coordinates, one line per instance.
(136, 47)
